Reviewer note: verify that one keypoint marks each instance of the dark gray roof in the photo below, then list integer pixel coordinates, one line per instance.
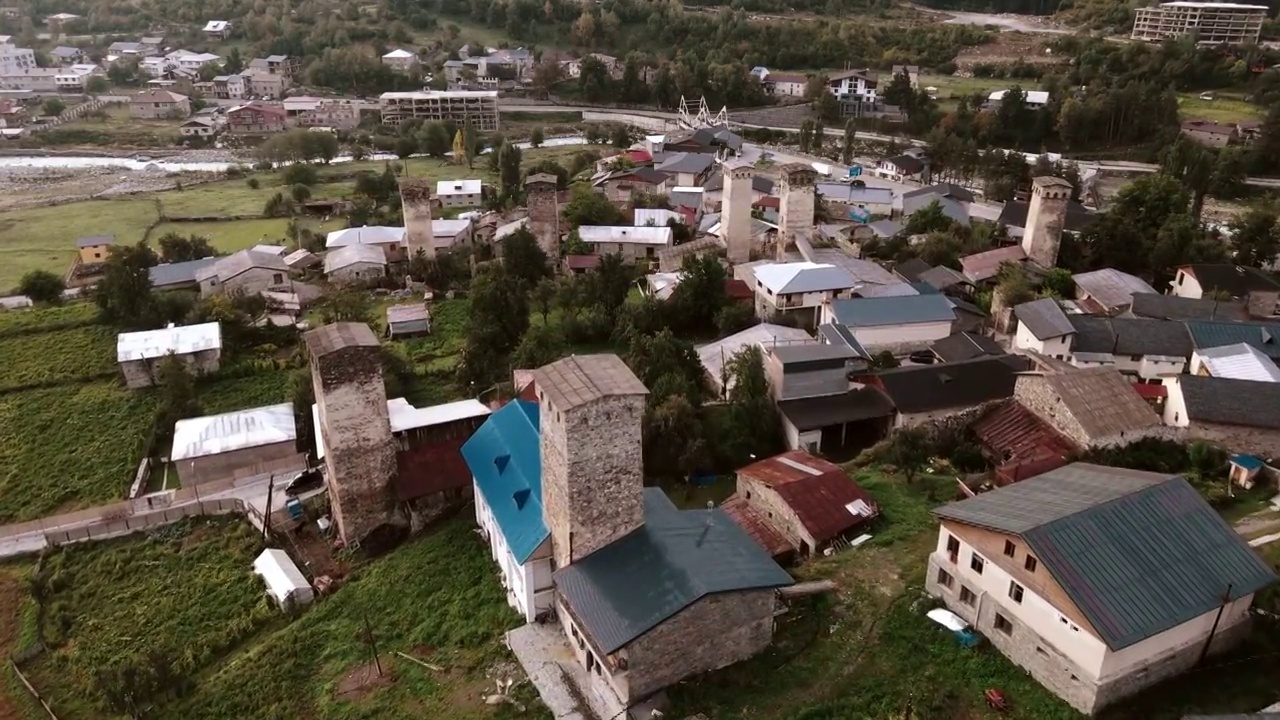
(1236, 280)
(924, 388)
(965, 346)
(1138, 553)
(1044, 318)
(942, 190)
(1079, 218)
(179, 273)
(908, 164)
(1172, 307)
(1130, 336)
(886, 228)
(812, 413)
(92, 240)
(800, 354)
(1247, 403)
(943, 277)
(874, 312)
(836, 334)
(677, 557)
(912, 269)
(686, 163)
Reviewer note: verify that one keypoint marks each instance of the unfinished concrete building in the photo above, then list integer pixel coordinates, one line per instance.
(544, 211)
(359, 449)
(797, 192)
(591, 408)
(735, 213)
(415, 200)
(1046, 218)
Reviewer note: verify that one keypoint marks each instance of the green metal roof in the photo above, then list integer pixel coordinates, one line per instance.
(632, 585)
(1138, 553)
(1263, 336)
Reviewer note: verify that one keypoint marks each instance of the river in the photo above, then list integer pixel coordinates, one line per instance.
(137, 162)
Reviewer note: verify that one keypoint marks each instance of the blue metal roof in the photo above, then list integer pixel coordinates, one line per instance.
(504, 457)
(872, 312)
(1248, 462)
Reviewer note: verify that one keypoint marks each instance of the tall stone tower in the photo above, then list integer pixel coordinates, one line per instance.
(1046, 217)
(590, 412)
(797, 196)
(415, 201)
(735, 213)
(359, 450)
(544, 212)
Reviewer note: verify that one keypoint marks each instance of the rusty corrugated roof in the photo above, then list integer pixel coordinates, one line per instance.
(765, 535)
(816, 490)
(1021, 442)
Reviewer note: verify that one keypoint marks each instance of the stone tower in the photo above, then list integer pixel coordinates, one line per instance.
(735, 213)
(797, 196)
(1046, 218)
(590, 412)
(351, 401)
(415, 201)
(544, 212)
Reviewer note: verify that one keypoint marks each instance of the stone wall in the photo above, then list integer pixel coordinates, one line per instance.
(415, 200)
(250, 282)
(766, 501)
(1036, 395)
(715, 632)
(142, 373)
(593, 473)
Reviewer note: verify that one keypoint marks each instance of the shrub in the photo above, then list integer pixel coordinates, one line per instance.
(42, 286)
(254, 184)
(300, 193)
(300, 174)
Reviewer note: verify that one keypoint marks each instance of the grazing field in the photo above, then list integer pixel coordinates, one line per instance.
(44, 238)
(69, 447)
(951, 87)
(433, 358)
(180, 597)
(58, 356)
(1223, 108)
(117, 128)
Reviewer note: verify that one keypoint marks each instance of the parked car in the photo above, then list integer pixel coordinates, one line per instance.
(307, 480)
(923, 357)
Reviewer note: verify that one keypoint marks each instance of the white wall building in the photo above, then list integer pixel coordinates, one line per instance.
(15, 59)
(460, 193)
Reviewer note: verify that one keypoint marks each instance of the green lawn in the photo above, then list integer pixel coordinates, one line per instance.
(952, 87)
(1224, 108)
(234, 235)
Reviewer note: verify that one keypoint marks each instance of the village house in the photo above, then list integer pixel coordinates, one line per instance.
(798, 289)
(1210, 133)
(1019, 444)
(821, 410)
(333, 113)
(408, 320)
(1010, 563)
(246, 272)
(229, 87)
(853, 202)
(94, 249)
(1093, 408)
(798, 504)
(1264, 337)
(788, 84)
(619, 185)
(632, 243)
(460, 193)
(75, 77)
(685, 169)
(1240, 361)
(1043, 328)
(910, 166)
(856, 84)
(1243, 415)
(402, 60)
(925, 393)
(965, 346)
(275, 65)
(1108, 291)
(239, 444)
(391, 240)
(896, 324)
(66, 55)
(265, 84)
(1033, 99)
(198, 127)
(159, 105)
(355, 262)
(1171, 307)
(1148, 349)
(256, 118)
(217, 29)
(714, 355)
(139, 354)
(1255, 288)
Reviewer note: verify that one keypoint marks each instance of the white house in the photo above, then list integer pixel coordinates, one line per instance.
(896, 324)
(390, 239)
(217, 29)
(798, 288)
(633, 243)
(506, 465)
(355, 262)
(854, 85)
(447, 233)
(76, 76)
(401, 60)
(1097, 581)
(789, 84)
(460, 193)
(1044, 328)
(1240, 361)
(1035, 99)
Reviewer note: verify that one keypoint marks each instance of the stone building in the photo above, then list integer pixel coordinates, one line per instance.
(1046, 219)
(735, 213)
(1242, 415)
(354, 421)
(1093, 407)
(1098, 581)
(415, 199)
(797, 193)
(139, 354)
(544, 211)
(248, 272)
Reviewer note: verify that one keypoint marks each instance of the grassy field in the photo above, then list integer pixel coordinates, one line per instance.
(1224, 108)
(951, 87)
(57, 356)
(117, 129)
(44, 238)
(222, 395)
(234, 235)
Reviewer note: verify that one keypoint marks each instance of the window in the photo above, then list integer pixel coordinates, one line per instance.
(1030, 564)
(953, 548)
(1015, 592)
(1010, 549)
(944, 578)
(976, 563)
(1003, 625)
(966, 596)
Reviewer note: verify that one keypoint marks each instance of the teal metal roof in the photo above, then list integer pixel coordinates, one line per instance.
(506, 462)
(872, 312)
(1263, 336)
(630, 586)
(1138, 553)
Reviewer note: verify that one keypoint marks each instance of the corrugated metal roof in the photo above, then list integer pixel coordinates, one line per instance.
(1264, 336)
(715, 354)
(676, 558)
(1017, 438)
(757, 526)
(506, 461)
(183, 340)
(348, 255)
(1110, 287)
(802, 277)
(179, 273)
(926, 388)
(626, 234)
(873, 312)
(1239, 362)
(215, 434)
(825, 500)
(368, 235)
(404, 416)
(1130, 336)
(985, 265)
(1138, 553)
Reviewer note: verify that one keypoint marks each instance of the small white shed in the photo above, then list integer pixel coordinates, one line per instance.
(285, 582)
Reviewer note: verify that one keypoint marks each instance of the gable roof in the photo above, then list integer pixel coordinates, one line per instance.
(1044, 318)
(506, 461)
(238, 263)
(1014, 214)
(1130, 336)
(1263, 336)
(1110, 287)
(1241, 361)
(348, 255)
(873, 312)
(1102, 402)
(1172, 307)
(331, 338)
(1246, 403)
(907, 164)
(1138, 553)
(965, 346)
(365, 235)
(1021, 442)
(911, 269)
(1236, 280)
(949, 190)
(802, 277)
(985, 265)
(93, 240)
(825, 500)
(180, 340)
(458, 187)
(581, 379)
(923, 388)
(179, 273)
(943, 277)
(678, 557)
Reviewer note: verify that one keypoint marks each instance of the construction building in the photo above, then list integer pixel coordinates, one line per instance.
(479, 107)
(1212, 23)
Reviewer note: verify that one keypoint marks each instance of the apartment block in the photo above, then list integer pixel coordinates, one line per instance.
(1212, 23)
(480, 107)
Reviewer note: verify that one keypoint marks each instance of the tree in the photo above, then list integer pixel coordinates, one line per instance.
(586, 207)
(498, 317)
(1255, 237)
(53, 106)
(406, 147)
(523, 258)
(346, 304)
(97, 85)
(621, 136)
(698, 298)
(233, 63)
(541, 345)
(543, 298)
(593, 79)
(509, 177)
(909, 451)
(753, 426)
(178, 399)
(928, 219)
(674, 445)
(124, 294)
(299, 174)
(846, 144)
(300, 193)
(536, 137)
(899, 92)
(825, 105)
(666, 365)
(806, 136)
(41, 286)
(177, 248)
(434, 140)
(546, 75)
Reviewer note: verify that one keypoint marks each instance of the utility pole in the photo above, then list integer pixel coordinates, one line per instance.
(1226, 598)
(373, 645)
(266, 519)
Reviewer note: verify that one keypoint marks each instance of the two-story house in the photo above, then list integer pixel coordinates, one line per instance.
(799, 289)
(256, 118)
(1255, 288)
(1098, 581)
(854, 84)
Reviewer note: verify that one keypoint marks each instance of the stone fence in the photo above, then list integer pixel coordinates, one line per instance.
(107, 528)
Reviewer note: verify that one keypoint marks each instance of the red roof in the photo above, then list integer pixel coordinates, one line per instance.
(768, 201)
(1023, 445)
(1151, 392)
(582, 262)
(638, 157)
(738, 290)
(752, 524)
(816, 490)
